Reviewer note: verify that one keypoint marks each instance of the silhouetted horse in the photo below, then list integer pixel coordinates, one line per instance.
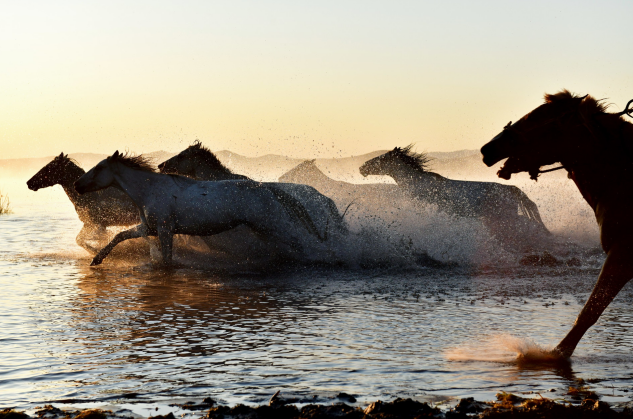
(503, 208)
(97, 210)
(596, 149)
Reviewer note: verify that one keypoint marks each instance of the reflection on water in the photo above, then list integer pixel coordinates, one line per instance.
(72, 332)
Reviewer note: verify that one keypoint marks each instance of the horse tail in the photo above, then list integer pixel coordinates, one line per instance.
(295, 208)
(529, 208)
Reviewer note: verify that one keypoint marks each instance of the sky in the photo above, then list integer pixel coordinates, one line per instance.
(304, 79)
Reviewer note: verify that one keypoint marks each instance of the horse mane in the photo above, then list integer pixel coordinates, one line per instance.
(203, 153)
(135, 162)
(588, 104)
(63, 158)
(418, 161)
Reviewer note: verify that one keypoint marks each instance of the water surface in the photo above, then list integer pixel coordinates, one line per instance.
(75, 333)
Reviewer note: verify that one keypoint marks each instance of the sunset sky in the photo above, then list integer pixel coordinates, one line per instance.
(305, 79)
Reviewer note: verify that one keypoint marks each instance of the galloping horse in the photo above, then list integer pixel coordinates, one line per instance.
(171, 204)
(198, 162)
(344, 193)
(596, 149)
(501, 207)
(97, 210)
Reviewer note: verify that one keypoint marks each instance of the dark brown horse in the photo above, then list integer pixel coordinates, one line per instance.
(596, 149)
(97, 210)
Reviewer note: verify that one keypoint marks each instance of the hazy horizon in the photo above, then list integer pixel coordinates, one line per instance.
(303, 80)
(250, 156)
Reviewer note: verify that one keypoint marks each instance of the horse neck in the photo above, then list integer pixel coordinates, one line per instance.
(210, 171)
(137, 184)
(70, 176)
(407, 176)
(605, 172)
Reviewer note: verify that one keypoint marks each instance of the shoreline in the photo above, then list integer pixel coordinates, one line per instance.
(579, 403)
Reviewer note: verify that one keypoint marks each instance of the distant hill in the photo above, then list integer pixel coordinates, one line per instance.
(28, 167)
(462, 164)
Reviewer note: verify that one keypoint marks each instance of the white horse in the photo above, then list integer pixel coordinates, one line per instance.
(198, 162)
(170, 204)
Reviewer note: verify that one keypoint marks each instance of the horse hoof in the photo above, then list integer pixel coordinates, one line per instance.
(562, 353)
(554, 356)
(96, 262)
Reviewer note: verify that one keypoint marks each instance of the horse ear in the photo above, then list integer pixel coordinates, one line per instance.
(61, 155)
(116, 154)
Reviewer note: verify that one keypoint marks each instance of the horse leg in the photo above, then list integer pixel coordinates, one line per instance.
(616, 272)
(166, 237)
(138, 231)
(84, 235)
(153, 248)
(81, 239)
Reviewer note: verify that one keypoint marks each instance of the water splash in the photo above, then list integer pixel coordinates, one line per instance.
(501, 348)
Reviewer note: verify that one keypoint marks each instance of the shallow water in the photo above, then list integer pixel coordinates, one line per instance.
(68, 331)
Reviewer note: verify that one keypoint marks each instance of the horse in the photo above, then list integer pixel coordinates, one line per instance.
(171, 204)
(502, 208)
(198, 162)
(596, 149)
(97, 210)
(344, 193)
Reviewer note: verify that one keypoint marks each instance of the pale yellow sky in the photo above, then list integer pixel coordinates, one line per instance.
(317, 79)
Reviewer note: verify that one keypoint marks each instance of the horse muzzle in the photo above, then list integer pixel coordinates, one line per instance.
(81, 186)
(32, 187)
(167, 169)
(490, 159)
(494, 151)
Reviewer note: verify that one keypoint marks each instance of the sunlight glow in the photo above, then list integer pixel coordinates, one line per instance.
(307, 80)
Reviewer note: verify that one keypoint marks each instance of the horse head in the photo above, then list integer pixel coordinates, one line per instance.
(198, 162)
(60, 170)
(376, 166)
(99, 177)
(102, 175)
(548, 134)
(183, 163)
(392, 161)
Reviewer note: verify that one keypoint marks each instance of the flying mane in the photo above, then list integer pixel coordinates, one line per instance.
(589, 107)
(135, 162)
(418, 161)
(206, 156)
(64, 157)
(588, 104)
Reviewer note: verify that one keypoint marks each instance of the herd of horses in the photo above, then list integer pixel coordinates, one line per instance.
(193, 193)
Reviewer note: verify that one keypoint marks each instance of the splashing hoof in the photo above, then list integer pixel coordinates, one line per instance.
(96, 261)
(553, 356)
